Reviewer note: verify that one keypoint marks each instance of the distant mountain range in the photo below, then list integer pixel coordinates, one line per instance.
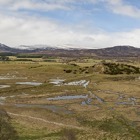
(116, 51)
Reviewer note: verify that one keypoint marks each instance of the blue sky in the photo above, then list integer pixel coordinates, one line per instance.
(70, 23)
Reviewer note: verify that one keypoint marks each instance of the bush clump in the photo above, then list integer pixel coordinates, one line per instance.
(113, 69)
(7, 131)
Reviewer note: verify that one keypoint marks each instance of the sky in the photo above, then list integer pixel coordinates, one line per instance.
(70, 23)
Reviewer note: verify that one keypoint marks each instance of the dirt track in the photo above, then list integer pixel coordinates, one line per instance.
(46, 121)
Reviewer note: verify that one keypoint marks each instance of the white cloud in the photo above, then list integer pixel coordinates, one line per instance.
(120, 7)
(20, 29)
(15, 5)
(43, 5)
(29, 31)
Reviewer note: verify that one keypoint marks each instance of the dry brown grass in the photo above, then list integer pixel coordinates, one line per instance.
(105, 87)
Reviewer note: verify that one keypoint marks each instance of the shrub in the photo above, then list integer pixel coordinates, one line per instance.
(7, 131)
(68, 134)
(113, 69)
(68, 71)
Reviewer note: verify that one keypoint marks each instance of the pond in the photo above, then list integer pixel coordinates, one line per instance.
(57, 81)
(11, 77)
(2, 100)
(29, 83)
(53, 108)
(68, 97)
(83, 83)
(4, 86)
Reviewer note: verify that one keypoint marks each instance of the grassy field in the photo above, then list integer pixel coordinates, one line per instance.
(109, 108)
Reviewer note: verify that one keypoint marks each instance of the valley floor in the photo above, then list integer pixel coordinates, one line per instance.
(46, 103)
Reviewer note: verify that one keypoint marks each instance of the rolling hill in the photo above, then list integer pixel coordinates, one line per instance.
(116, 51)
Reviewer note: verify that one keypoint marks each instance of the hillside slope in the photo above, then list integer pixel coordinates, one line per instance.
(117, 51)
